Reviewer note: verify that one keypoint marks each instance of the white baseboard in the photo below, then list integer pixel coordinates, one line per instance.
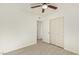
(22, 46)
(71, 51)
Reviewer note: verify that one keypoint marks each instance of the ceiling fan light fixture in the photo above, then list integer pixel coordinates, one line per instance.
(44, 6)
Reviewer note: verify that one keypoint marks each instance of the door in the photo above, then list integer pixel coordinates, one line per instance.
(39, 30)
(57, 31)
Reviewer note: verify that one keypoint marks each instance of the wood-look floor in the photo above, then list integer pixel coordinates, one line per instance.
(41, 48)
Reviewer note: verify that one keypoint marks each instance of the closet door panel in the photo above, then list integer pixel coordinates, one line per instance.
(57, 31)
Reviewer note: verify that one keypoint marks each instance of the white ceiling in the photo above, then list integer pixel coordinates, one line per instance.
(26, 8)
(38, 11)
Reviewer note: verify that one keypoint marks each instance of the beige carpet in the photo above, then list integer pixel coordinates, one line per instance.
(41, 48)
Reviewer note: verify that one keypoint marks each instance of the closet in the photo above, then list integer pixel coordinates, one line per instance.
(57, 31)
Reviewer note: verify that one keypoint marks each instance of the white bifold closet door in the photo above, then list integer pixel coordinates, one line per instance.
(57, 31)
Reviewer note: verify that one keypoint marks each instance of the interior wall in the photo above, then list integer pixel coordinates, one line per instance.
(71, 27)
(18, 27)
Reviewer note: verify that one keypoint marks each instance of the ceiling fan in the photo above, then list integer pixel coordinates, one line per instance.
(45, 6)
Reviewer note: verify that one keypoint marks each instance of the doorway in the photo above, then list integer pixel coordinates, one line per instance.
(39, 31)
(57, 31)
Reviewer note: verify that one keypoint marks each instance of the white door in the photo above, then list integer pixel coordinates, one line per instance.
(57, 31)
(39, 30)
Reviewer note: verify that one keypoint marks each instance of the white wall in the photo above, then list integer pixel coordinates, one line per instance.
(71, 27)
(18, 27)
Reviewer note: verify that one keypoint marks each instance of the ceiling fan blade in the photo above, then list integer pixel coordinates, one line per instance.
(36, 6)
(53, 7)
(43, 10)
